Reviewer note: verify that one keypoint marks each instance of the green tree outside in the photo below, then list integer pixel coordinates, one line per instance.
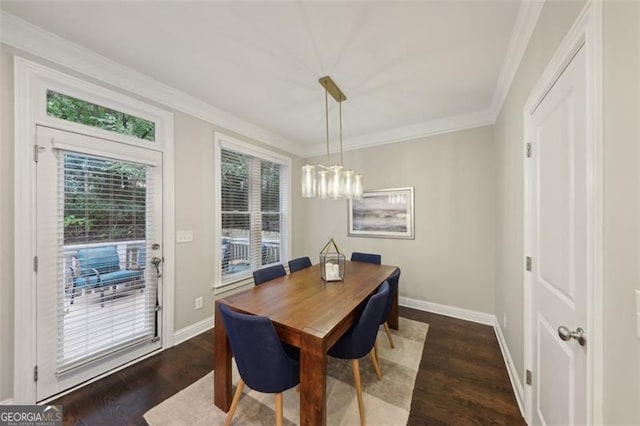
(83, 112)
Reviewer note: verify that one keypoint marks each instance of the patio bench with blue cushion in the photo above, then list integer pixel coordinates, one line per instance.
(99, 268)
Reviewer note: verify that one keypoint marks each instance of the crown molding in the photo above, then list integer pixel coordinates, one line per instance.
(526, 21)
(416, 131)
(27, 37)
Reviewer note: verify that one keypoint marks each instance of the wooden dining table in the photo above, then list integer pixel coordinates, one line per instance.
(309, 313)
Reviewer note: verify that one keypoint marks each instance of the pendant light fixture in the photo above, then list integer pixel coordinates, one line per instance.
(331, 181)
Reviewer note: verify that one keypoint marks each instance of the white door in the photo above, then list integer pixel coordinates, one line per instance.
(558, 209)
(99, 229)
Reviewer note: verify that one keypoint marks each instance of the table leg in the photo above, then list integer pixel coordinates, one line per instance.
(313, 381)
(393, 315)
(221, 364)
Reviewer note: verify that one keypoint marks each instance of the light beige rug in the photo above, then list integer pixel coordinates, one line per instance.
(387, 402)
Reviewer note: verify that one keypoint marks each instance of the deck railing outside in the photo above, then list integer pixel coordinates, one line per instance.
(235, 250)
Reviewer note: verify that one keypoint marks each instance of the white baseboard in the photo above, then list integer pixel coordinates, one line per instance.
(7, 402)
(516, 384)
(450, 311)
(192, 330)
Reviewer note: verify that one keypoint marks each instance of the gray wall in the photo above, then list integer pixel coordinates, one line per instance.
(621, 211)
(194, 210)
(451, 261)
(554, 23)
(6, 226)
(194, 201)
(621, 196)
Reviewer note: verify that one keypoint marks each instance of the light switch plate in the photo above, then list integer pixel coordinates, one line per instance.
(184, 236)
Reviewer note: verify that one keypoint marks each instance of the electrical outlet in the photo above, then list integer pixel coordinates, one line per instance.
(504, 320)
(184, 236)
(198, 302)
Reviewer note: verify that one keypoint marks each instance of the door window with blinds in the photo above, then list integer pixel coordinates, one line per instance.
(99, 224)
(253, 210)
(108, 302)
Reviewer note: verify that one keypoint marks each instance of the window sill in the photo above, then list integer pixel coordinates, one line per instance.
(240, 284)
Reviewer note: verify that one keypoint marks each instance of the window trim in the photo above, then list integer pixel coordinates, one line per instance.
(223, 141)
(49, 79)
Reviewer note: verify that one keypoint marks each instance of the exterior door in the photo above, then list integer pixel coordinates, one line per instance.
(558, 210)
(99, 229)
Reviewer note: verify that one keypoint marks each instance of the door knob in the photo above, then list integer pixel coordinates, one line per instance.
(566, 334)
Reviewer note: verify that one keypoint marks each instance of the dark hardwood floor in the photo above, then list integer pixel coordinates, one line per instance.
(462, 380)
(462, 377)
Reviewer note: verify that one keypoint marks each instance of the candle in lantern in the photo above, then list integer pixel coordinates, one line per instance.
(332, 272)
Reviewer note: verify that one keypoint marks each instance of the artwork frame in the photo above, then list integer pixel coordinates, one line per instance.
(383, 213)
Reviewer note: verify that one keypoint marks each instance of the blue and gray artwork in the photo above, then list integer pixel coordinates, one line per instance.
(381, 212)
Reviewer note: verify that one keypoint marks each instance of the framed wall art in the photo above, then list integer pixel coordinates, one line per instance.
(382, 213)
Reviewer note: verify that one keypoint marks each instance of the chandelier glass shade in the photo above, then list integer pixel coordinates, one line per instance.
(331, 181)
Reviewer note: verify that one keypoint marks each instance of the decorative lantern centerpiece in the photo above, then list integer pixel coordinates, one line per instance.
(332, 262)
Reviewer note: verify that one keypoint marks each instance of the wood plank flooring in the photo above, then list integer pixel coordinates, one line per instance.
(462, 380)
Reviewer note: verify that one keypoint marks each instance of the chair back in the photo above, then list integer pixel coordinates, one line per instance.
(299, 263)
(366, 257)
(393, 289)
(102, 259)
(269, 273)
(261, 359)
(359, 340)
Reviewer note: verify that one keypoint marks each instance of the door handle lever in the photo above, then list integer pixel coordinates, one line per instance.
(566, 334)
(156, 262)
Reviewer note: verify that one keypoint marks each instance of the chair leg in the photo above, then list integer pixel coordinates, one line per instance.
(356, 379)
(234, 403)
(279, 409)
(73, 291)
(386, 328)
(375, 349)
(376, 365)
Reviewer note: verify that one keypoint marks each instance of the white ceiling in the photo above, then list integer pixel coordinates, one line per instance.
(402, 65)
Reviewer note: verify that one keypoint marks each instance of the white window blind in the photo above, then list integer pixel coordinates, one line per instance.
(107, 292)
(253, 200)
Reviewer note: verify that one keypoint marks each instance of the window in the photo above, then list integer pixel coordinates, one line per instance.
(83, 112)
(253, 210)
(105, 225)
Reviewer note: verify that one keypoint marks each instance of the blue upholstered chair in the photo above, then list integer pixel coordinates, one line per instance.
(299, 263)
(99, 268)
(366, 257)
(264, 363)
(269, 273)
(393, 289)
(359, 340)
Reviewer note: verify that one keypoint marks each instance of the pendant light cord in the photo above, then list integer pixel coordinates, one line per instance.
(326, 119)
(341, 160)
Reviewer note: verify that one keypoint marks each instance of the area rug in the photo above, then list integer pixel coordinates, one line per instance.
(387, 402)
